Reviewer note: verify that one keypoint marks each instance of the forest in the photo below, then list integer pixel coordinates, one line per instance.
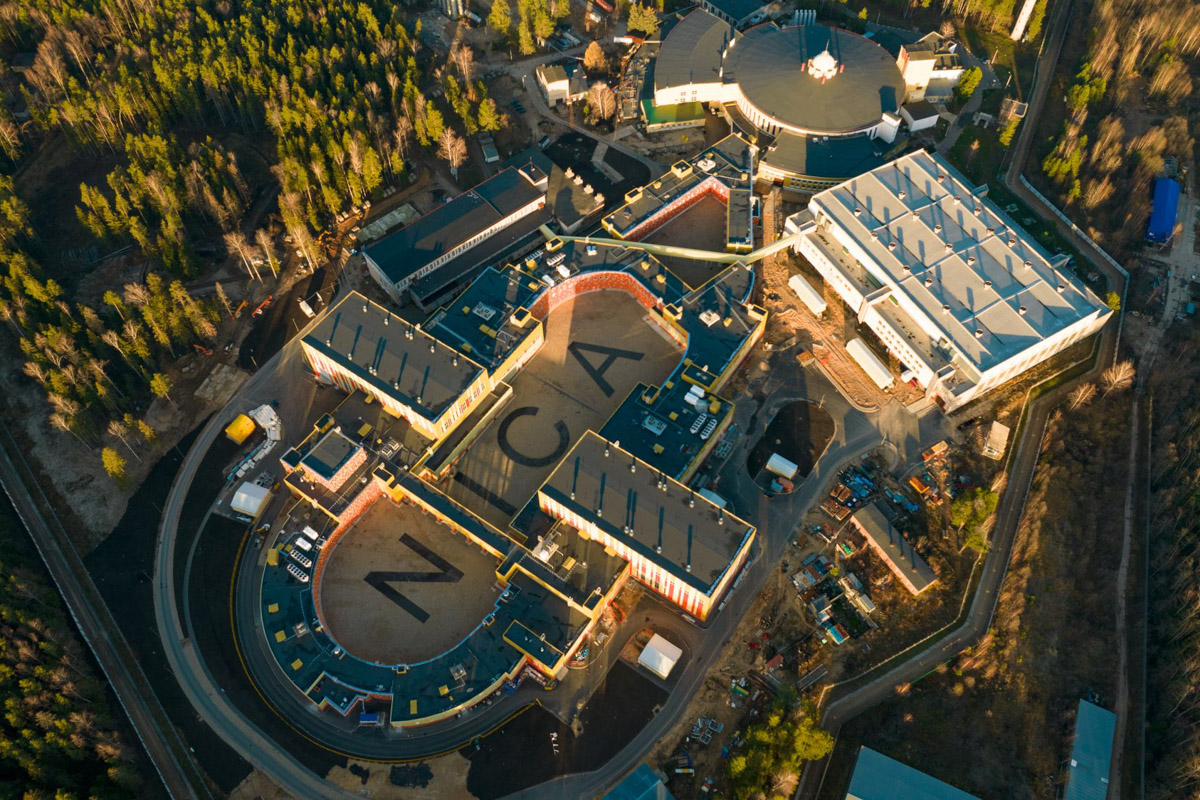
(1130, 105)
(1173, 648)
(338, 92)
(57, 737)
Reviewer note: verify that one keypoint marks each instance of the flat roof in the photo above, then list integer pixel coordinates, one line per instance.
(899, 551)
(877, 777)
(729, 162)
(1091, 754)
(689, 529)
(828, 158)
(655, 424)
(974, 273)
(691, 52)
(330, 453)
(411, 248)
(769, 65)
(371, 342)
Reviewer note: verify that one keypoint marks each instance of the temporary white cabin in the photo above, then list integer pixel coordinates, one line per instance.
(811, 297)
(660, 656)
(876, 370)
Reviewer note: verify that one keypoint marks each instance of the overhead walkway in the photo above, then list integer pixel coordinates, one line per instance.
(675, 251)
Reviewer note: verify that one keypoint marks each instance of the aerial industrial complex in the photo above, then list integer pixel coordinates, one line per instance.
(952, 289)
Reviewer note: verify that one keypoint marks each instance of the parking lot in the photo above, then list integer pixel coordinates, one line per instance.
(556, 398)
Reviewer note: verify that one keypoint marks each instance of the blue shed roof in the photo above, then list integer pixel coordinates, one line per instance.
(641, 784)
(1091, 755)
(877, 777)
(1166, 205)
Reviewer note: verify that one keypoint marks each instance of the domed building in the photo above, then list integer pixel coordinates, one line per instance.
(821, 104)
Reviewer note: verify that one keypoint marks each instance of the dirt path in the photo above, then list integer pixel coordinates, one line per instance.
(1121, 706)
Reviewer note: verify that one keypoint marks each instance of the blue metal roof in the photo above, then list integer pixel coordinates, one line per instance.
(1091, 755)
(877, 777)
(641, 784)
(1166, 206)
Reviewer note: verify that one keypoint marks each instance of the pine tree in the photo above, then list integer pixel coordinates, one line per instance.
(500, 17)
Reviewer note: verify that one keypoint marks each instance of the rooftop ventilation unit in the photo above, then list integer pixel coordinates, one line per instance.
(891, 245)
(1022, 310)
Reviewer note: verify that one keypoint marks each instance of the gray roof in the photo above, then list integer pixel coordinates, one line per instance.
(737, 9)
(1003, 294)
(1091, 755)
(899, 551)
(366, 339)
(691, 52)
(411, 248)
(877, 777)
(921, 109)
(840, 157)
(635, 511)
(769, 65)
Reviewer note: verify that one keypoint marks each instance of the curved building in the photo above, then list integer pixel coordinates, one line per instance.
(821, 104)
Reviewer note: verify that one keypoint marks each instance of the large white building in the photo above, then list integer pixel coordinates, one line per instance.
(956, 291)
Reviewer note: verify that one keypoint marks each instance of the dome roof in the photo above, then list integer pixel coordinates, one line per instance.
(815, 79)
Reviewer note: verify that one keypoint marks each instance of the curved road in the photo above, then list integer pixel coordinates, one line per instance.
(83, 601)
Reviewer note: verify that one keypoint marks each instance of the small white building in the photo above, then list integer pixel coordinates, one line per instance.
(250, 499)
(920, 115)
(660, 656)
(997, 441)
(876, 370)
(811, 297)
(561, 83)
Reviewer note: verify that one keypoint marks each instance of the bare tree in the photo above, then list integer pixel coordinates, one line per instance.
(266, 246)
(118, 429)
(1081, 395)
(452, 149)
(236, 244)
(603, 101)
(1118, 376)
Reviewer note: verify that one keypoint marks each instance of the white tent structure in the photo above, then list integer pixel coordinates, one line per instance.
(250, 498)
(660, 656)
(805, 291)
(876, 370)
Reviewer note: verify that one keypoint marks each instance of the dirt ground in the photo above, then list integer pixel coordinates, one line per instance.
(996, 720)
(702, 226)
(366, 624)
(443, 778)
(555, 399)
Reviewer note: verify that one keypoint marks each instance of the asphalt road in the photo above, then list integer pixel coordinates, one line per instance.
(186, 663)
(161, 742)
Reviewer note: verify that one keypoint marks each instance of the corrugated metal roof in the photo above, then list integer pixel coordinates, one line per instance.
(877, 777)
(1091, 755)
(641, 784)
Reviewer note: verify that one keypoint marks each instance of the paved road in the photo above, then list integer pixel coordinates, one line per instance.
(161, 741)
(186, 663)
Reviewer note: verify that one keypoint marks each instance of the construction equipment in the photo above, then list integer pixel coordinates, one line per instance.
(263, 306)
(241, 307)
(202, 350)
